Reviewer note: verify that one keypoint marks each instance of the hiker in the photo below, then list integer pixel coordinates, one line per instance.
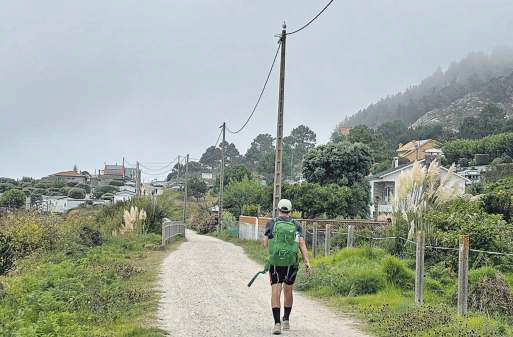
(284, 237)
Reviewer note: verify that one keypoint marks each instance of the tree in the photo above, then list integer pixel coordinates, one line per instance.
(296, 145)
(6, 187)
(235, 173)
(77, 193)
(243, 193)
(101, 190)
(12, 199)
(174, 172)
(211, 157)
(342, 163)
(337, 136)
(231, 154)
(197, 187)
(261, 146)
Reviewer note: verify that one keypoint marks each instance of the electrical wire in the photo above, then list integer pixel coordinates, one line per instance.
(218, 138)
(311, 21)
(261, 93)
(159, 168)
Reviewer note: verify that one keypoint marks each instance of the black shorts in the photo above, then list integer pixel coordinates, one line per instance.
(285, 275)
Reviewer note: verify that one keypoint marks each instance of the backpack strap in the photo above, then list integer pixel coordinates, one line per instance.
(266, 269)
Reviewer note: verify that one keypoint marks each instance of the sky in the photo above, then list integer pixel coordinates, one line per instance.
(89, 82)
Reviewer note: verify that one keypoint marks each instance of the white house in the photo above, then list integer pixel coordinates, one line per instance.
(60, 204)
(123, 195)
(385, 185)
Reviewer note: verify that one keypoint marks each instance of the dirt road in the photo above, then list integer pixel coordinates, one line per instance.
(205, 293)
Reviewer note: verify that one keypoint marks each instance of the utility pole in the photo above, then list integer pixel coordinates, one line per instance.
(178, 173)
(221, 177)
(278, 164)
(185, 189)
(137, 180)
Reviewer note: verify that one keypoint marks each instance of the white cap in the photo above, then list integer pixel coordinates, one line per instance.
(285, 205)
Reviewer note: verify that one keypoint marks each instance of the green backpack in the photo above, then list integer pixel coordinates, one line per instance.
(283, 247)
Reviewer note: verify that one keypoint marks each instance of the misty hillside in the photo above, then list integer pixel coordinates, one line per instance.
(448, 96)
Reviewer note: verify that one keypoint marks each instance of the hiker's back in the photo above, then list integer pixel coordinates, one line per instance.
(283, 247)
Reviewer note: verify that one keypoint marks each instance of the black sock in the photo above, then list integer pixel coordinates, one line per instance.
(276, 315)
(287, 313)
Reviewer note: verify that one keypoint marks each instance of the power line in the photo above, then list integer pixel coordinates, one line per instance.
(311, 21)
(261, 93)
(159, 168)
(218, 138)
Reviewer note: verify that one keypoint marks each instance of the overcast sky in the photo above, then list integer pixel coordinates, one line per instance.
(88, 82)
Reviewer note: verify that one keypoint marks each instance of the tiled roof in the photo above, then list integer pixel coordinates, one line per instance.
(68, 174)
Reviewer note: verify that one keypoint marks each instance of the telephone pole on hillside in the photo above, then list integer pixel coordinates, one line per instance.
(221, 177)
(185, 189)
(278, 164)
(137, 180)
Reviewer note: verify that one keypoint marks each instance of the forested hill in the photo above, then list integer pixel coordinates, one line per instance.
(448, 96)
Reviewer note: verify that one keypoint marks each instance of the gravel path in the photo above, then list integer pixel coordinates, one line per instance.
(205, 293)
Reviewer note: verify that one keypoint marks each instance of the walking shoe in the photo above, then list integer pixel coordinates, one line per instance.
(277, 329)
(285, 325)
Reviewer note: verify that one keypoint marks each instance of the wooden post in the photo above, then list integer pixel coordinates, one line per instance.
(463, 275)
(314, 240)
(163, 234)
(419, 269)
(327, 240)
(350, 236)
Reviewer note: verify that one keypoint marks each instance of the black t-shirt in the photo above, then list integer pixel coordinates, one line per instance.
(270, 226)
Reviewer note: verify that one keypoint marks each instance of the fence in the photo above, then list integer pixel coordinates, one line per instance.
(170, 229)
(319, 233)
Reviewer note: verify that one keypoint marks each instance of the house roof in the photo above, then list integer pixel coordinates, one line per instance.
(383, 174)
(412, 145)
(68, 174)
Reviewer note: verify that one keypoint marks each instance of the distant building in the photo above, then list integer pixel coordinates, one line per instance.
(118, 172)
(344, 131)
(69, 177)
(123, 196)
(60, 204)
(385, 185)
(416, 149)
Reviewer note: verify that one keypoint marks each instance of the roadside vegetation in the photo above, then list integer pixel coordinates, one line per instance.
(87, 273)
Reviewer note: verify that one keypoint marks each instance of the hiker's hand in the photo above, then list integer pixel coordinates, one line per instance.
(308, 269)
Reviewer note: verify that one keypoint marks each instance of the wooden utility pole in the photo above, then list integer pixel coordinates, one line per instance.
(137, 180)
(463, 275)
(278, 164)
(419, 268)
(178, 173)
(221, 177)
(185, 189)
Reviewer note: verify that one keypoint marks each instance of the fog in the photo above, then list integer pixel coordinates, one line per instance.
(92, 81)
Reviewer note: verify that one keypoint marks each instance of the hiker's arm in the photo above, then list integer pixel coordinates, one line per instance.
(265, 241)
(304, 251)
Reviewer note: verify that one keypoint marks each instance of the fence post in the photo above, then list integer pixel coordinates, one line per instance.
(350, 236)
(314, 240)
(463, 275)
(327, 240)
(419, 268)
(163, 233)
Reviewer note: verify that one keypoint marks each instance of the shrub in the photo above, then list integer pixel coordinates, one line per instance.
(101, 190)
(499, 203)
(12, 199)
(487, 232)
(116, 183)
(6, 254)
(397, 273)
(76, 193)
(90, 237)
(489, 292)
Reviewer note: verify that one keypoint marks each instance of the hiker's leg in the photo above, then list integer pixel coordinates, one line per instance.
(289, 297)
(275, 301)
(276, 294)
(289, 300)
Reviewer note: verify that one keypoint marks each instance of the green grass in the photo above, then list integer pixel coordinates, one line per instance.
(378, 289)
(100, 291)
